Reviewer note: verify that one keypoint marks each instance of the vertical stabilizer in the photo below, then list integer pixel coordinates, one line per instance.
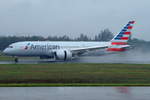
(120, 40)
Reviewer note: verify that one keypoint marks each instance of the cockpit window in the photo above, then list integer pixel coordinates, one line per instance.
(10, 46)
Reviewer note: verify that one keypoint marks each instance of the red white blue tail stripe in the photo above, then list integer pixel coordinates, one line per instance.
(121, 38)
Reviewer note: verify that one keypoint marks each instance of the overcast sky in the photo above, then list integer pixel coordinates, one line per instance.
(72, 17)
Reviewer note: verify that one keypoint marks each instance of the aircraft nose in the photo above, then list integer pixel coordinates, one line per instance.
(6, 51)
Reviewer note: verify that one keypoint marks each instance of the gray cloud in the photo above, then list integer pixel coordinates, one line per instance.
(72, 17)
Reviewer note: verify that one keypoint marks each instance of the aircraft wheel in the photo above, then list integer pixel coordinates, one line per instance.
(16, 60)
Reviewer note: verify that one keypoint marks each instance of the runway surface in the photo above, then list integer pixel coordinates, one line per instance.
(74, 93)
(130, 57)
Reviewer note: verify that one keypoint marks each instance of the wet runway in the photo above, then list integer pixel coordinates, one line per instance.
(75, 93)
(130, 57)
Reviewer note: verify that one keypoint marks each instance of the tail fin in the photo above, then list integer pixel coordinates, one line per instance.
(120, 41)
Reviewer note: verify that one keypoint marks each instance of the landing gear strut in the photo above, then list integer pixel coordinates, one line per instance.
(16, 60)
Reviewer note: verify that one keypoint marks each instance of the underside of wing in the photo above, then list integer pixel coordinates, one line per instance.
(86, 49)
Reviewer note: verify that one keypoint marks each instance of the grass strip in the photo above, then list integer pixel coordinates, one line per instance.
(72, 74)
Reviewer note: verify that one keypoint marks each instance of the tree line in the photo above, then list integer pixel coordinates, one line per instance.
(104, 35)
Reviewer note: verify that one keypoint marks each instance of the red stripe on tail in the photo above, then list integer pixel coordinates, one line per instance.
(131, 22)
(115, 49)
(127, 33)
(130, 27)
(124, 38)
(119, 43)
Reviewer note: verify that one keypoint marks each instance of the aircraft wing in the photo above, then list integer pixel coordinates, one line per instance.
(86, 49)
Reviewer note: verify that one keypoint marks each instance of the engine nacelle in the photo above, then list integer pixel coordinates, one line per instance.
(63, 55)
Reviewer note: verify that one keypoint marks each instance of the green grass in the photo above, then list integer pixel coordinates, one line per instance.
(6, 58)
(9, 58)
(75, 75)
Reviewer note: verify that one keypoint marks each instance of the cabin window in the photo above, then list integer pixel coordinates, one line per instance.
(10, 46)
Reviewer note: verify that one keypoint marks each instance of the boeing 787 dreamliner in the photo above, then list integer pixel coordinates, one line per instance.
(60, 50)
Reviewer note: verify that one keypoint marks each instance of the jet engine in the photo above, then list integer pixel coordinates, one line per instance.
(63, 55)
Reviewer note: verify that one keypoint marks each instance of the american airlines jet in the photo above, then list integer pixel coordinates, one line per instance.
(60, 50)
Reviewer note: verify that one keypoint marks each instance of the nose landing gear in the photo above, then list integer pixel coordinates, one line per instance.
(16, 60)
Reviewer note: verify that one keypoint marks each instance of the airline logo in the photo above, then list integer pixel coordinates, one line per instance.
(27, 46)
(41, 47)
(126, 32)
(122, 38)
(44, 47)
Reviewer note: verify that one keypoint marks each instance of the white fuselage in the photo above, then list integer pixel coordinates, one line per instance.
(47, 48)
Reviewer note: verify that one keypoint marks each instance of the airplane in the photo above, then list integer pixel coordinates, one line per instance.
(60, 50)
